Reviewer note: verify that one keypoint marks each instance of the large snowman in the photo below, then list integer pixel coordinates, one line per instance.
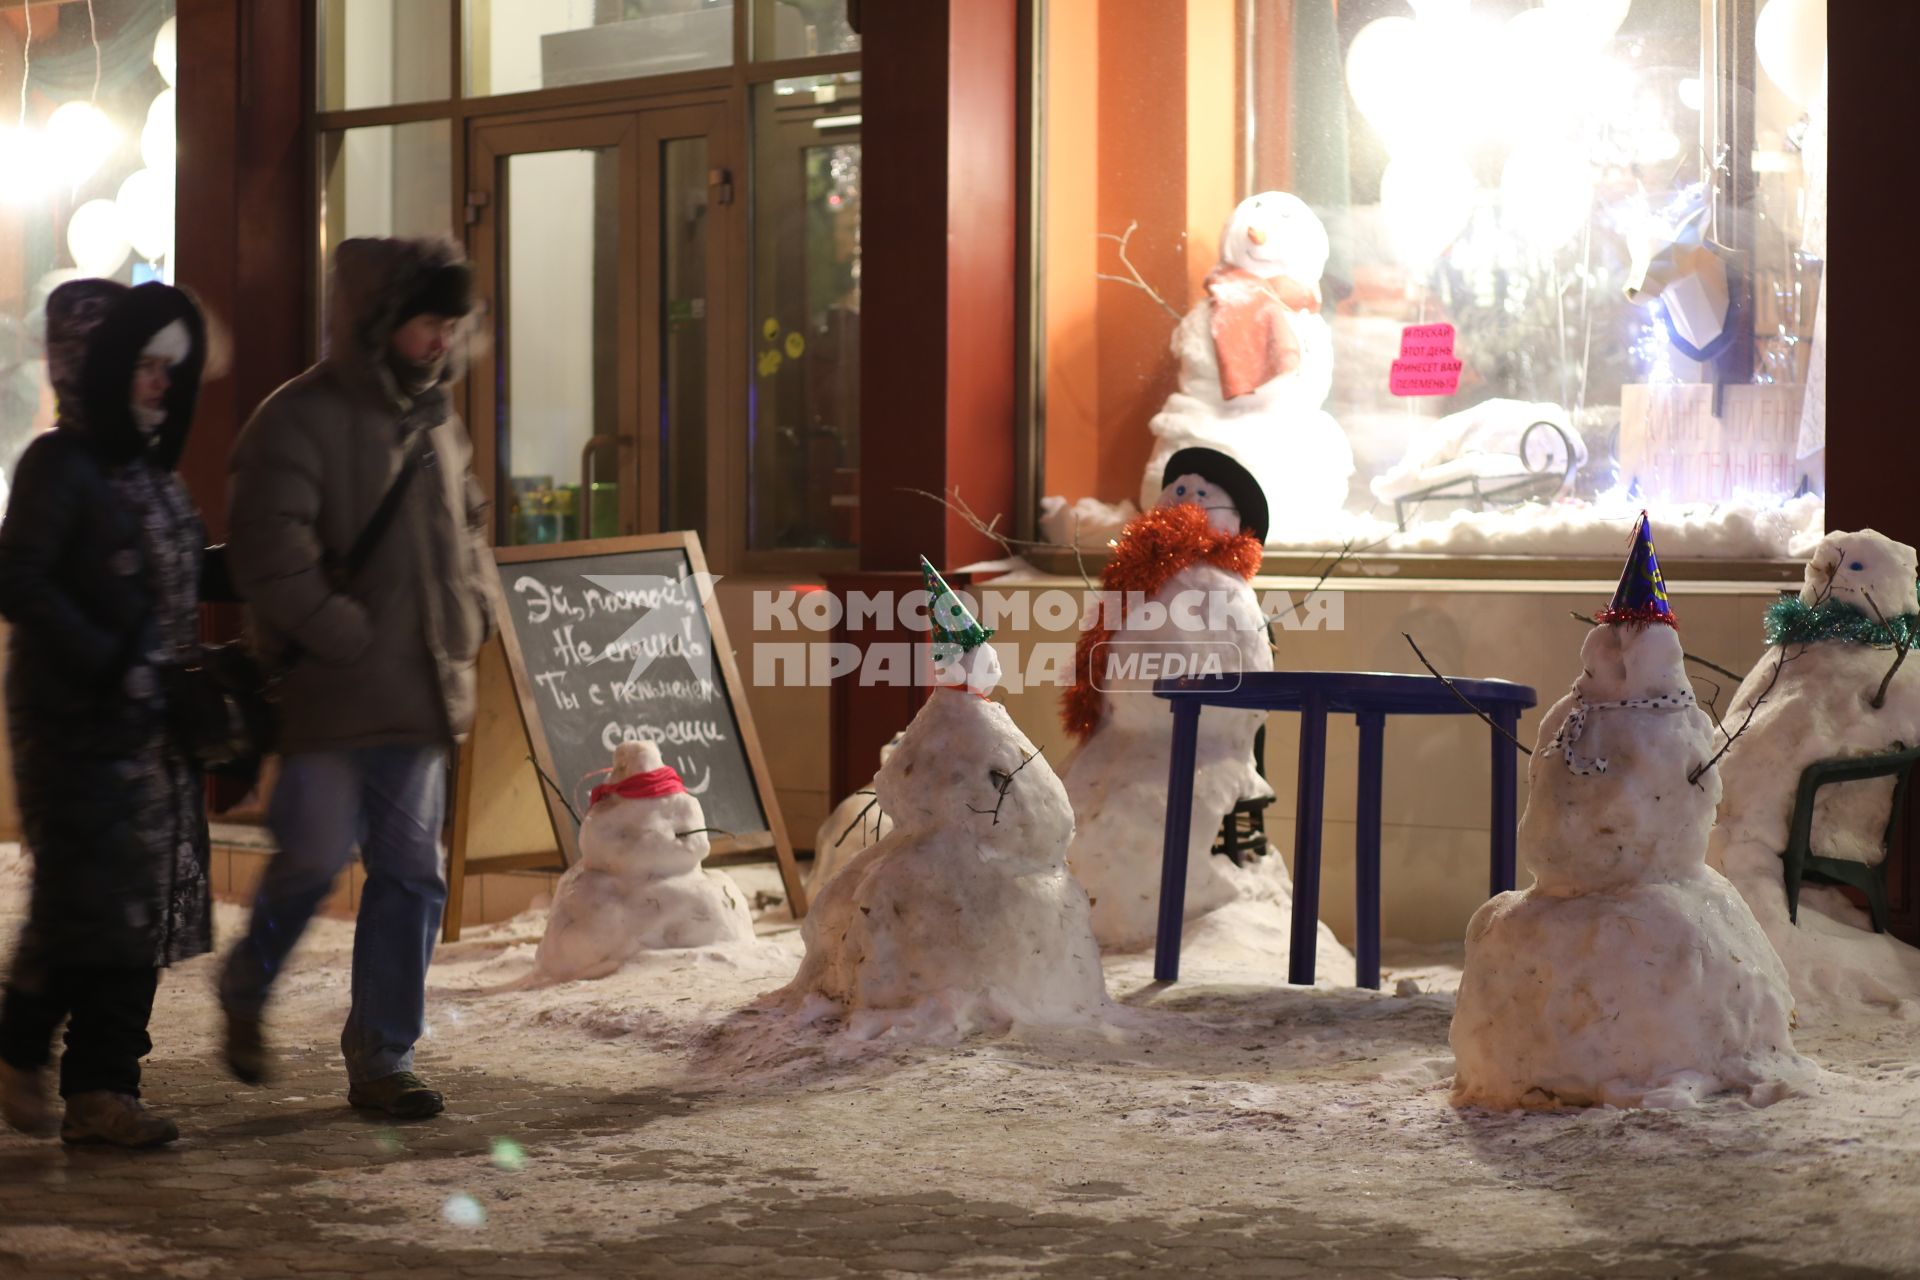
(639, 885)
(1630, 973)
(1256, 365)
(962, 918)
(1180, 576)
(1811, 697)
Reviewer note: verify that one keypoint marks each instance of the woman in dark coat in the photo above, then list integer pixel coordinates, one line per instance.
(99, 576)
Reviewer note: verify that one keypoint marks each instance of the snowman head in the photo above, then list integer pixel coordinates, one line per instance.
(977, 668)
(1849, 567)
(1275, 234)
(644, 836)
(1222, 515)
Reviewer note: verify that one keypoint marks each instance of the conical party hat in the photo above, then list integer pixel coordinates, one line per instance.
(1642, 593)
(952, 624)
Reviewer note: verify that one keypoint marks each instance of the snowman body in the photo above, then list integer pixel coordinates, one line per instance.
(1816, 705)
(855, 823)
(963, 917)
(1276, 428)
(640, 884)
(1630, 973)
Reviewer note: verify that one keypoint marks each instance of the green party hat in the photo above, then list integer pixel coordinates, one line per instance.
(952, 624)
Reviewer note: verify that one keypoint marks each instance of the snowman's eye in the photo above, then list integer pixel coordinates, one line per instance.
(1199, 493)
(1857, 567)
(1180, 491)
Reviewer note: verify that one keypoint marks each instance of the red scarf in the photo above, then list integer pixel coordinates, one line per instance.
(650, 785)
(1153, 547)
(1253, 340)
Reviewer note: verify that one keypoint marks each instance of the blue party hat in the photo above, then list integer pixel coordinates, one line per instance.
(1642, 593)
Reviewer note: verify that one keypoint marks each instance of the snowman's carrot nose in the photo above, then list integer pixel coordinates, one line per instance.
(1256, 235)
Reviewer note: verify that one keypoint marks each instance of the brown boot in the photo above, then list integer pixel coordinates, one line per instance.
(23, 1101)
(115, 1118)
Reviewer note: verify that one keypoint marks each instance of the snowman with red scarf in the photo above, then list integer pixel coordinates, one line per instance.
(1256, 365)
(639, 885)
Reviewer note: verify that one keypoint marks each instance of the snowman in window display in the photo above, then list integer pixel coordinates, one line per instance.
(1256, 365)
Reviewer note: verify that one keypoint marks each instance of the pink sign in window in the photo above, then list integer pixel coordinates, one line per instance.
(1426, 366)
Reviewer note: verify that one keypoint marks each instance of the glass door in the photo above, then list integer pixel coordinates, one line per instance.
(593, 399)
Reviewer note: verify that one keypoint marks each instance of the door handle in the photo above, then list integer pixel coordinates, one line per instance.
(720, 183)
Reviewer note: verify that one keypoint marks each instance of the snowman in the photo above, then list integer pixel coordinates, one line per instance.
(963, 917)
(1810, 698)
(1188, 562)
(1256, 364)
(855, 823)
(639, 885)
(1630, 973)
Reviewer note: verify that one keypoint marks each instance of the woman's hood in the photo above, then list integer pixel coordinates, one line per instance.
(96, 330)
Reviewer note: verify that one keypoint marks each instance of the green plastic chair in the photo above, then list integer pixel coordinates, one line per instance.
(1803, 864)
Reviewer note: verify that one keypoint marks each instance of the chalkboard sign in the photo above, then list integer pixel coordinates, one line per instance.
(607, 641)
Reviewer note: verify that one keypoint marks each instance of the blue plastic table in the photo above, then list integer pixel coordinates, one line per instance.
(1370, 697)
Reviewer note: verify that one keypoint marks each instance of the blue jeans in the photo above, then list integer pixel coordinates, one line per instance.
(390, 802)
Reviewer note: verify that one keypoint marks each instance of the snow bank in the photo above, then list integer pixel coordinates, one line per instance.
(1629, 974)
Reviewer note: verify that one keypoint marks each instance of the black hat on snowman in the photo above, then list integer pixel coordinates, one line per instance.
(1233, 480)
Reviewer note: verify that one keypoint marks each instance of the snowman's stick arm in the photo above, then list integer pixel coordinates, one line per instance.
(1133, 276)
(1455, 690)
(1900, 647)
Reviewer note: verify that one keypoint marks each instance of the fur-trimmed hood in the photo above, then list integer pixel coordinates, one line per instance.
(371, 281)
(96, 330)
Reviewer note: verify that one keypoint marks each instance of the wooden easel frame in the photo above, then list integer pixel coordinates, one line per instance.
(566, 848)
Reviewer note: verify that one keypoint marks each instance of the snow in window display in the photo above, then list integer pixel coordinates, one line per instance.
(1630, 973)
(1188, 561)
(1831, 684)
(963, 917)
(639, 885)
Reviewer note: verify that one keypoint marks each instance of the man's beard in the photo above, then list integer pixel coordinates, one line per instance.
(416, 376)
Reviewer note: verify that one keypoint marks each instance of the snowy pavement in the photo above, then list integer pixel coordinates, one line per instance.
(641, 1125)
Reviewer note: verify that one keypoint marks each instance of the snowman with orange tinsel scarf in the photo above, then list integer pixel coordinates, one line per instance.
(1177, 594)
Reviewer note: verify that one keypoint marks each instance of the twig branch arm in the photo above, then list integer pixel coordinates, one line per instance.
(1453, 689)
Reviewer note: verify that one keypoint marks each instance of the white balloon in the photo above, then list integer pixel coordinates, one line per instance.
(1546, 194)
(1386, 73)
(145, 203)
(1791, 38)
(165, 50)
(1590, 22)
(156, 138)
(95, 238)
(79, 140)
(1426, 199)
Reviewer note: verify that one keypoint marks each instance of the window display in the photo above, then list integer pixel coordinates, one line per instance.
(86, 175)
(1448, 276)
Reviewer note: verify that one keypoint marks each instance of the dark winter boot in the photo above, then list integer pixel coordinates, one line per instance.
(118, 1119)
(402, 1095)
(23, 1101)
(246, 1047)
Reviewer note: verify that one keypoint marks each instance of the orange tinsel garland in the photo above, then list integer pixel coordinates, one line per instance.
(1153, 547)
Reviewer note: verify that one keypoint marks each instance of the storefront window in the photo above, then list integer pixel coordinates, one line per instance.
(515, 46)
(381, 53)
(805, 419)
(1537, 265)
(801, 29)
(86, 175)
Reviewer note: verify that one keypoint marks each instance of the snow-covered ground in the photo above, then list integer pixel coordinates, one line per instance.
(1310, 1124)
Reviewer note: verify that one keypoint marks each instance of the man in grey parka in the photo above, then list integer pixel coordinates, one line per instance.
(378, 663)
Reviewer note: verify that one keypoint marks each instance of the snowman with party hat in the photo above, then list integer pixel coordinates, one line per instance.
(963, 917)
(639, 885)
(1256, 365)
(1630, 973)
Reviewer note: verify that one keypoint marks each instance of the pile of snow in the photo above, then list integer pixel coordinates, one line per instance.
(639, 885)
(1630, 973)
(1088, 524)
(963, 918)
(1816, 706)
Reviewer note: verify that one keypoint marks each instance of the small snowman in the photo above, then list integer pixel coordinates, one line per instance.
(963, 917)
(639, 885)
(1189, 563)
(1256, 363)
(1630, 973)
(855, 823)
(1811, 697)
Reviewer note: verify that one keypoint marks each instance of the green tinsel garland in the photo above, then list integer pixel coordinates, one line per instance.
(1791, 622)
